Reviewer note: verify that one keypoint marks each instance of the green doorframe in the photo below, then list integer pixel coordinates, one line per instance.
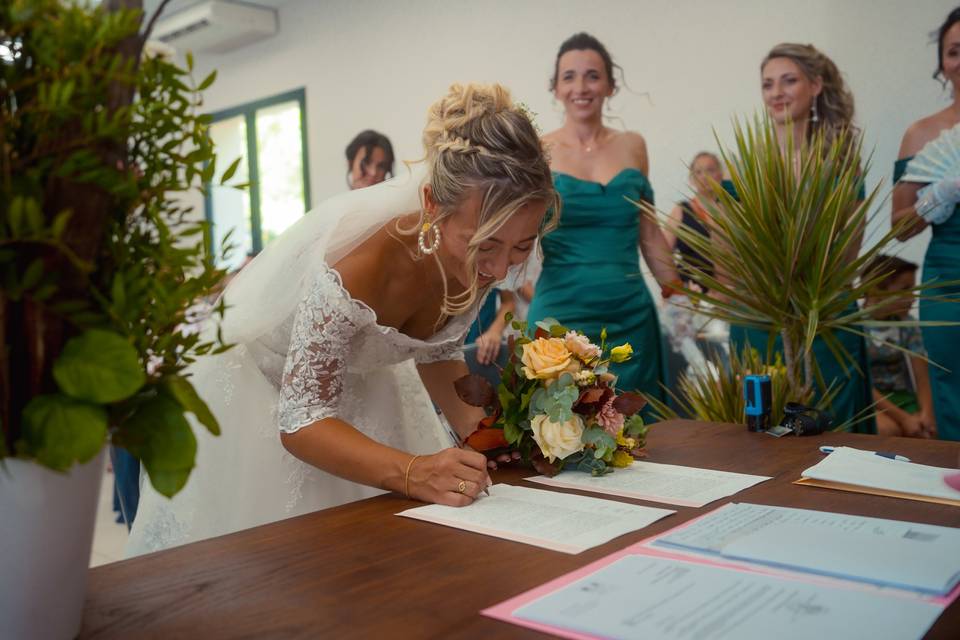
(249, 112)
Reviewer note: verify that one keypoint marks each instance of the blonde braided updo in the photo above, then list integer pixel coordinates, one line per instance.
(477, 138)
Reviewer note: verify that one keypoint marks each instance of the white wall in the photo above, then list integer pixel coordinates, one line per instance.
(690, 64)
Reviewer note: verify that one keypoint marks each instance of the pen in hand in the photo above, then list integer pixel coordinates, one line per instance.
(459, 445)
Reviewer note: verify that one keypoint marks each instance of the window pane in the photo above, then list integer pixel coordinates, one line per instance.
(231, 207)
(280, 166)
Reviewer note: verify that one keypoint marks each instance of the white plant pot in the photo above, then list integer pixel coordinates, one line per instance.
(46, 533)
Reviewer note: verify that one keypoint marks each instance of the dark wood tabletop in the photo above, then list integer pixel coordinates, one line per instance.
(358, 571)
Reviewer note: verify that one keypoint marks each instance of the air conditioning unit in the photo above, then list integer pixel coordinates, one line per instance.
(216, 26)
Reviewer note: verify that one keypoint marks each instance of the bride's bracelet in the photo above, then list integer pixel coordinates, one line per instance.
(406, 476)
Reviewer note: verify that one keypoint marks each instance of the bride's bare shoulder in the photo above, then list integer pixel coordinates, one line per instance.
(370, 274)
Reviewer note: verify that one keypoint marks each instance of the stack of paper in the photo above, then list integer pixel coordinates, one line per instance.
(638, 596)
(669, 483)
(865, 472)
(547, 519)
(890, 553)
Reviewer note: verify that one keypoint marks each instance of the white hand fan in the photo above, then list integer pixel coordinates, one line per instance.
(939, 159)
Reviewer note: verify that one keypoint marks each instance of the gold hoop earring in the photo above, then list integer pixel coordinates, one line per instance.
(423, 237)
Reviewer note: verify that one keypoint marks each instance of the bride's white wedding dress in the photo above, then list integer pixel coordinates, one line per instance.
(305, 350)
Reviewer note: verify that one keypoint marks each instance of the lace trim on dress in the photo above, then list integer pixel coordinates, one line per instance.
(167, 529)
(439, 339)
(325, 324)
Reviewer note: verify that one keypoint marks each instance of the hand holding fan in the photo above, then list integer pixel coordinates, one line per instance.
(939, 159)
(937, 165)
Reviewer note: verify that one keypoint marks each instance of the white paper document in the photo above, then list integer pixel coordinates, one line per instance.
(547, 519)
(645, 597)
(889, 553)
(865, 469)
(668, 483)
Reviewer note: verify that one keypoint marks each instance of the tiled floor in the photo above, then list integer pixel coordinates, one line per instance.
(109, 537)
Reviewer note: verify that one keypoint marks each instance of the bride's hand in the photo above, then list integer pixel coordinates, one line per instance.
(440, 477)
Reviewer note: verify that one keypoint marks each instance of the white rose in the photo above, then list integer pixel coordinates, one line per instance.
(557, 441)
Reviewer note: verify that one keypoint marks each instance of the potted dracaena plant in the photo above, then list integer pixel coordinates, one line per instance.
(781, 256)
(100, 263)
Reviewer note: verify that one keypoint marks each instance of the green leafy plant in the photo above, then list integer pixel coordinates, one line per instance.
(101, 262)
(717, 395)
(784, 247)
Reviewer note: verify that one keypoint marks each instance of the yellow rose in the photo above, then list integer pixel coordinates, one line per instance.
(545, 358)
(557, 441)
(621, 353)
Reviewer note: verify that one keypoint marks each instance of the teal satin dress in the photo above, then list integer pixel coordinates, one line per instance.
(942, 263)
(853, 395)
(591, 274)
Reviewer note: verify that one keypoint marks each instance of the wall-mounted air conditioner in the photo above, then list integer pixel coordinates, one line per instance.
(215, 26)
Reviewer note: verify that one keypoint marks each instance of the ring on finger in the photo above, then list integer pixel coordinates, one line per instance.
(462, 487)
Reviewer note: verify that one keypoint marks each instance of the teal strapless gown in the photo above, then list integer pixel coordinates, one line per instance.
(853, 389)
(942, 262)
(591, 274)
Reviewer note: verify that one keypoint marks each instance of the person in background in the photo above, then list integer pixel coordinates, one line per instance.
(484, 350)
(901, 382)
(590, 277)
(705, 169)
(369, 159)
(802, 89)
(917, 205)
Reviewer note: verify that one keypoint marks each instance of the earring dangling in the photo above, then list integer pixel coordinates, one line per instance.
(424, 234)
(814, 116)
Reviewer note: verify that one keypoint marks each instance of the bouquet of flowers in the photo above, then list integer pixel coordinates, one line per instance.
(557, 403)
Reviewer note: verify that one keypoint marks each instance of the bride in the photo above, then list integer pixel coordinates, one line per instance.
(320, 402)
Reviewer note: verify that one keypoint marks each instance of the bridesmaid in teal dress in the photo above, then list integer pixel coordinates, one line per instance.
(802, 86)
(591, 273)
(917, 205)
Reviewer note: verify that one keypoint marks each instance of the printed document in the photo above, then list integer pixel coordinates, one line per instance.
(667, 483)
(646, 597)
(890, 553)
(547, 519)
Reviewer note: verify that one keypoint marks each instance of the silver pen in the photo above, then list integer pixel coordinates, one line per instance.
(457, 443)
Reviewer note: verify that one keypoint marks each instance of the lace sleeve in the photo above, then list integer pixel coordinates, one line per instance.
(325, 322)
(448, 350)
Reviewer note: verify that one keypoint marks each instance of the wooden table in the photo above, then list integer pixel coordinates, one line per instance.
(358, 571)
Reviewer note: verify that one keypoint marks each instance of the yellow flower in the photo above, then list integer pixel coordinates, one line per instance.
(626, 442)
(545, 358)
(557, 440)
(621, 459)
(621, 353)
